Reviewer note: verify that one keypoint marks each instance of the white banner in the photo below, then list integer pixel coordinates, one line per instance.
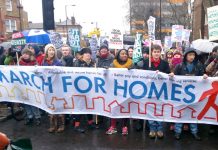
(116, 93)
(116, 39)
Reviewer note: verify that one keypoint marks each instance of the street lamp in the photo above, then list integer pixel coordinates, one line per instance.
(66, 21)
(160, 21)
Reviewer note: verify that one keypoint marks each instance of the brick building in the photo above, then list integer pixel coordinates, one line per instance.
(12, 17)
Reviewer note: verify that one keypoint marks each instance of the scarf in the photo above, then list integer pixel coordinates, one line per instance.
(128, 64)
(24, 62)
(176, 61)
(155, 63)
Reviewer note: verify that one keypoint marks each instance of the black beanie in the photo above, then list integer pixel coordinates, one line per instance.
(85, 50)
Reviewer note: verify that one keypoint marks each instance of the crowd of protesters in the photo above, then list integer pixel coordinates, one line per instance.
(176, 61)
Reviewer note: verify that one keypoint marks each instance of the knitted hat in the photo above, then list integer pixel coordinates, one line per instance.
(85, 50)
(177, 52)
(103, 47)
(27, 51)
(36, 48)
(49, 46)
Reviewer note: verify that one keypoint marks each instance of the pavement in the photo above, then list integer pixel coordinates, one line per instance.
(98, 140)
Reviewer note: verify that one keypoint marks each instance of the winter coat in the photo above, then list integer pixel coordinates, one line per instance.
(104, 62)
(23, 62)
(212, 69)
(128, 64)
(162, 67)
(67, 61)
(81, 63)
(198, 69)
(55, 62)
(40, 58)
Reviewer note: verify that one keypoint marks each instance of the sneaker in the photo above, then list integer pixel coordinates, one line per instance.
(177, 136)
(124, 131)
(28, 121)
(79, 129)
(38, 122)
(152, 134)
(197, 137)
(111, 130)
(160, 134)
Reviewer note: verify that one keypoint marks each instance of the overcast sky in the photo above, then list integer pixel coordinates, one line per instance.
(107, 13)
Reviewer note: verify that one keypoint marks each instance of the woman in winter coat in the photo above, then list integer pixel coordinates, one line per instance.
(27, 59)
(52, 60)
(121, 60)
(84, 61)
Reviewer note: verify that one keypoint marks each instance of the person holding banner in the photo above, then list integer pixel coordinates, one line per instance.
(212, 71)
(189, 67)
(84, 61)
(67, 57)
(52, 60)
(157, 64)
(28, 59)
(105, 58)
(130, 52)
(121, 60)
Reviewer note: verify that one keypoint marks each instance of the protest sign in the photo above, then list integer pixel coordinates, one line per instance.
(213, 23)
(186, 35)
(56, 39)
(151, 28)
(93, 45)
(116, 93)
(116, 39)
(177, 33)
(137, 52)
(18, 41)
(167, 42)
(74, 39)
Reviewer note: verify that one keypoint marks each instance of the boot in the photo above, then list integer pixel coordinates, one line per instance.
(62, 123)
(53, 125)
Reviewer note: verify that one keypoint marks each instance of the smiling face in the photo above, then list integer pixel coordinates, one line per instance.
(51, 53)
(123, 55)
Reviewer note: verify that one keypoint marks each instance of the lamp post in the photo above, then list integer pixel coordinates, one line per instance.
(66, 21)
(160, 20)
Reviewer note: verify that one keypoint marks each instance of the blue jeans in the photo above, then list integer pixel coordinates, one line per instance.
(32, 112)
(155, 125)
(193, 128)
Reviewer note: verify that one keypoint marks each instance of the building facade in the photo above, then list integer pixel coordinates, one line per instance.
(12, 18)
(166, 12)
(60, 27)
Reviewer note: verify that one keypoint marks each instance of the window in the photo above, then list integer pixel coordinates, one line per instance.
(9, 5)
(10, 25)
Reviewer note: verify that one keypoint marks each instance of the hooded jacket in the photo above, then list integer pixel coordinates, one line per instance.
(198, 69)
(104, 62)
